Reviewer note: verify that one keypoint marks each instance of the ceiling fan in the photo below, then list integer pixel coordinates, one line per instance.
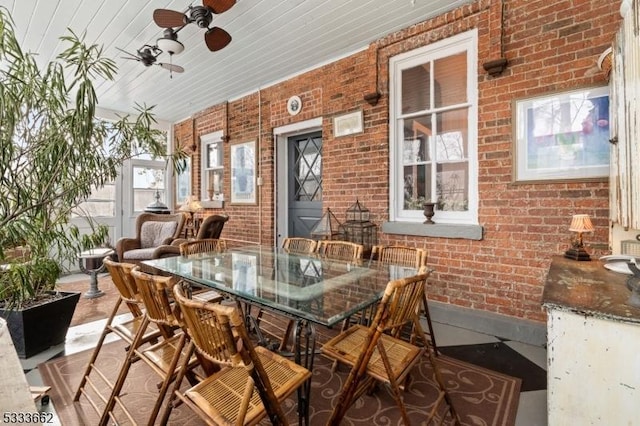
(148, 55)
(215, 37)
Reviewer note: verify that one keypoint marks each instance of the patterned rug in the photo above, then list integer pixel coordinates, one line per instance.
(481, 396)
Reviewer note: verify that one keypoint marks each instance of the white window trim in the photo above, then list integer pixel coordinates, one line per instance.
(468, 42)
(205, 141)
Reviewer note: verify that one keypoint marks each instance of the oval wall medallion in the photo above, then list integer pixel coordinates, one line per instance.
(294, 105)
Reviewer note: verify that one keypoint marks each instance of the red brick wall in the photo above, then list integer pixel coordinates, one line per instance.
(550, 46)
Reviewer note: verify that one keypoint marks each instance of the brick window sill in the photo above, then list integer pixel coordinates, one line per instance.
(438, 230)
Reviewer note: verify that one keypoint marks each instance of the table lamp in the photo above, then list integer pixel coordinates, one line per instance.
(191, 206)
(579, 223)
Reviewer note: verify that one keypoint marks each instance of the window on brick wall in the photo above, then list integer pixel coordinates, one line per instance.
(212, 168)
(433, 132)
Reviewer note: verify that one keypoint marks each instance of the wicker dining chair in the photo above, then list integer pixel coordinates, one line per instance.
(162, 357)
(206, 245)
(251, 383)
(299, 245)
(414, 258)
(128, 293)
(340, 250)
(376, 354)
(272, 323)
(202, 246)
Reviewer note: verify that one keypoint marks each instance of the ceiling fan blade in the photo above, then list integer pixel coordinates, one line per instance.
(172, 67)
(219, 6)
(131, 59)
(131, 55)
(166, 18)
(216, 38)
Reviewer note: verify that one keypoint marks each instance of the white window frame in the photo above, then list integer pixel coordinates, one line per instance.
(465, 42)
(214, 138)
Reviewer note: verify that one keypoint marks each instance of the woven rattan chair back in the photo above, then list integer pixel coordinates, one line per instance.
(299, 245)
(244, 390)
(202, 246)
(154, 291)
(125, 284)
(340, 250)
(400, 255)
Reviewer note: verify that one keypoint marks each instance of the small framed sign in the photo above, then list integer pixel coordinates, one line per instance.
(348, 124)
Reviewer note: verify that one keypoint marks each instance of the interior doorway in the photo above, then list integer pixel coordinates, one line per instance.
(304, 183)
(298, 179)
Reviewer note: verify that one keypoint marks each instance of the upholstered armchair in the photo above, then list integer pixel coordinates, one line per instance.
(211, 227)
(152, 231)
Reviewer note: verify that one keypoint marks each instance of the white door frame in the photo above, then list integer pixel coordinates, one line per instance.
(280, 184)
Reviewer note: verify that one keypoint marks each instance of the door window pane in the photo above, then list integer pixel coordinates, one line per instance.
(148, 183)
(308, 169)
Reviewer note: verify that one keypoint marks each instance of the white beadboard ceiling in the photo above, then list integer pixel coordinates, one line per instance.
(272, 40)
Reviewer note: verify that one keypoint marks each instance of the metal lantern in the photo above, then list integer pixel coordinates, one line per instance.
(359, 228)
(328, 228)
(357, 213)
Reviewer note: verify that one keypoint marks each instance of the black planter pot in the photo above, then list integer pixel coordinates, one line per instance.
(37, 328)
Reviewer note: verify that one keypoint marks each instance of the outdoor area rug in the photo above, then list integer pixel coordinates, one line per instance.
(480, 396)
(88, 310)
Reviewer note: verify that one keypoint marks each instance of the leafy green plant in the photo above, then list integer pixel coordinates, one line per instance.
(54, 152)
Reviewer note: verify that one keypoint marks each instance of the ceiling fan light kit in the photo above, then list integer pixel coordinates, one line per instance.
(215, 37)
(172, 21)
(169, 42)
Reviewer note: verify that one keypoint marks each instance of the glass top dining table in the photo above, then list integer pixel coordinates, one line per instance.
(302, 286)
(309, 289)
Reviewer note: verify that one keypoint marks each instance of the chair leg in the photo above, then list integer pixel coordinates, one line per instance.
(164, 419)
(167, 380)
(443, 389)
(430, 325)
(124, 371)
(105, 331)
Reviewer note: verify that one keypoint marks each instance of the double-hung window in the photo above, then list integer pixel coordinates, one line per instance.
(433, 132)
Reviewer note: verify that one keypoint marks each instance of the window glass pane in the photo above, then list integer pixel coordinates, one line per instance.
(415, 89)
(101, 203)
(147, 182)
(451, 78)
(214, 155)
(417, 137)
(452, 187)
(148, 178)
(451, 141)
(417, 186)
(308, 164)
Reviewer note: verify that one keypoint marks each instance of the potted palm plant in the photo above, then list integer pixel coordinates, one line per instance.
(54, 152)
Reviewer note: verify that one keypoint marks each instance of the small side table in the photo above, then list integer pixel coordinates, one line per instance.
(96, 255)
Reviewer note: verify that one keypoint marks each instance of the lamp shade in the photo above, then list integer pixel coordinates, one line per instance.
(192, 205)
(581, 223)
(172, 47)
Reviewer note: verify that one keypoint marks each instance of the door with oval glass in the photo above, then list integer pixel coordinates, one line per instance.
(304, 183)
